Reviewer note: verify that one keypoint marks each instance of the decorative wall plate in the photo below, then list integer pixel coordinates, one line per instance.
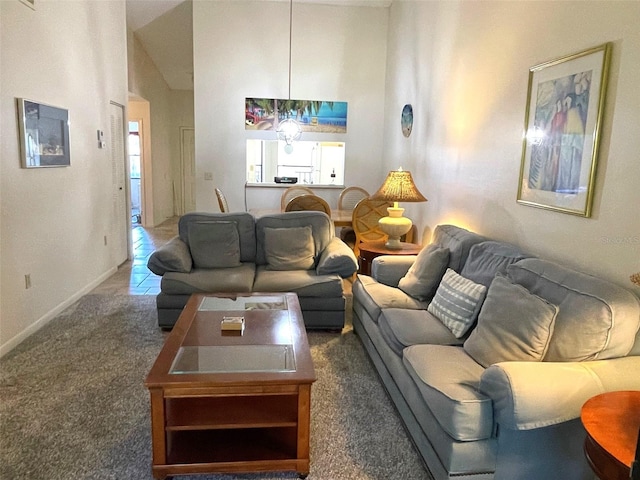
(407, 120)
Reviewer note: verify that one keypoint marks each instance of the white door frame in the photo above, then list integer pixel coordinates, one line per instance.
(187, 172)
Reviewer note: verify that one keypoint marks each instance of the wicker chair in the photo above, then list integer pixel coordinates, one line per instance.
(308, 202)
(349, 198)
(292, 192)
(222, 201)
(365, 221)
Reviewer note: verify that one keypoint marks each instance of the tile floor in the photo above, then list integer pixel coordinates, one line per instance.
(133, 277)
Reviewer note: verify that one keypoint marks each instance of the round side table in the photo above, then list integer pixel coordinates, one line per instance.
(371, 250)
(612, 422)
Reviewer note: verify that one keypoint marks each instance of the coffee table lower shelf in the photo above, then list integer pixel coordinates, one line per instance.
(233, 432)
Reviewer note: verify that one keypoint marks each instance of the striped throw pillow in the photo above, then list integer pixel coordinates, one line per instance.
(457, 302)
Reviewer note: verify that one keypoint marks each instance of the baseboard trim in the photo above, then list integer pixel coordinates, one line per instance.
(51, 314)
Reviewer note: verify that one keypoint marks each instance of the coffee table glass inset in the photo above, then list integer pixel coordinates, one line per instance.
(239, 358)
(225, 403)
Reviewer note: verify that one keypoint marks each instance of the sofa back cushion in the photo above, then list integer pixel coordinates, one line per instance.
(244, 223)
(458, 240)
(514, 325)
(289, 248)
(322, 230)
(214, 244)
(596, 319)
(486, 259)
(424, 275)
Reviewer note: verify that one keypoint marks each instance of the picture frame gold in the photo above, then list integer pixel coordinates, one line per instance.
(562, 128)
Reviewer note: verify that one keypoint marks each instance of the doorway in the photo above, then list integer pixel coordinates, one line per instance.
(135, 172)
(139, 121)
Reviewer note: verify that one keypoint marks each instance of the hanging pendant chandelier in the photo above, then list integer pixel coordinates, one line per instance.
(289, 130)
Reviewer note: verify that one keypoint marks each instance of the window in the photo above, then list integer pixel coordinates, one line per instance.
(311, 162)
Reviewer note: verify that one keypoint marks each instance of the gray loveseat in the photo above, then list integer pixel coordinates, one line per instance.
(492, 353)
(235, 252)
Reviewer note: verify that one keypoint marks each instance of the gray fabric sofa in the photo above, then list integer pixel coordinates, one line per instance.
(502, 400)
(235, 252)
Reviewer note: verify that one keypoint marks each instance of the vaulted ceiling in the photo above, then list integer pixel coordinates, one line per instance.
(165, 29)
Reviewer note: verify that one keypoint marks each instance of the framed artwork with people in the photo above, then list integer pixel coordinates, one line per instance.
(565, 104)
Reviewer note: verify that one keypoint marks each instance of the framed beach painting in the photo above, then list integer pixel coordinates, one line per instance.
(44, 135)
(317, 116)
(565, 103)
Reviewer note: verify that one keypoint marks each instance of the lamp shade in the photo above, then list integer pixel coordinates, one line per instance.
(399, 187)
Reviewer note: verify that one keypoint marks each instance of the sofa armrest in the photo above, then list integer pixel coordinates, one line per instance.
(389, 269)
(529, 395)
(173, 256)
(337, 258)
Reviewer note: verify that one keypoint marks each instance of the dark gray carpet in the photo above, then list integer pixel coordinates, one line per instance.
(73, 404)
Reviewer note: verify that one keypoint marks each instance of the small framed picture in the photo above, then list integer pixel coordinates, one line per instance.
(565, 104)
(44, 135)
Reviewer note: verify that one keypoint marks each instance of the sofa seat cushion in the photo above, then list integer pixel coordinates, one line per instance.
(305, 283)
(596, 319)
(402, 328)
(236, 279)
(448, 380)
(375, 296)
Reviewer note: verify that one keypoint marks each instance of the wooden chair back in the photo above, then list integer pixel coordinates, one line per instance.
(308, 202)
(292, 192)
(350, 196)
(365, 221)
(222, 201)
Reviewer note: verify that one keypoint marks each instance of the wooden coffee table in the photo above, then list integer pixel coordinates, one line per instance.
(225, 402)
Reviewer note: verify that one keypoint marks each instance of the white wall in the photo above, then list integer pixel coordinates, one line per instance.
(170, 109)
(71, 55)
(464, 67)
(241, 49)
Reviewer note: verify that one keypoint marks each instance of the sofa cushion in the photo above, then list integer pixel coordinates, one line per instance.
(514, 325)
(322, 229)
(596, 319)
(236, 279)
(423, 277)
(303, 282)
(486, 259)
(375, 296)
(401, 328)
(457, 302)
(289, 248)
(245, 224)
(214, 244)
(448, 380)
(459, 242)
